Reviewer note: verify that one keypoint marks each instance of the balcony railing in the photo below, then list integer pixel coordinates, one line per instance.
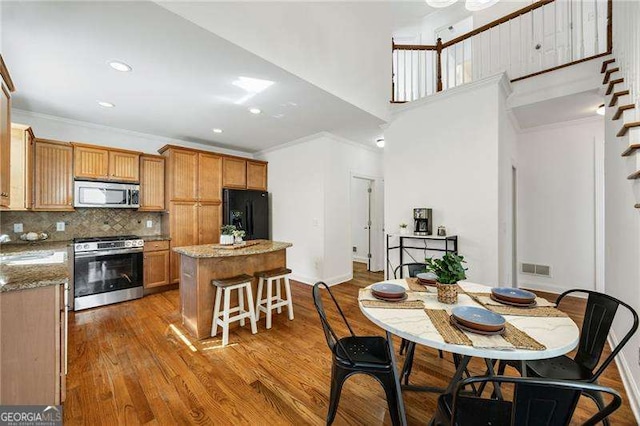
(542, 37)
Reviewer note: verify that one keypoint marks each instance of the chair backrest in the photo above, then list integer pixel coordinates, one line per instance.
(412, 268)
(539, 402)
(329, 333)
(598, 317)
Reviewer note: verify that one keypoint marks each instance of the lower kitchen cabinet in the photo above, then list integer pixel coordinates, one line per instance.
(33, 351)
(156, 264)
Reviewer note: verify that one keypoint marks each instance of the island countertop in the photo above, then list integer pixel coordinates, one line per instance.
(214, 250)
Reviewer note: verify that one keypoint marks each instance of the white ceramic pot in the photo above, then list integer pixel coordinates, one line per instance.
(226, 240)
(404, 231)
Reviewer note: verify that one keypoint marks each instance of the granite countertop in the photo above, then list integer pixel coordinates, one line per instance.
(149, 238)
(214, 250)
(22, 277)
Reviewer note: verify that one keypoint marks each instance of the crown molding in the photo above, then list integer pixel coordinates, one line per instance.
(500, 79)
(155, 138)
(4, 73)
(315, 136)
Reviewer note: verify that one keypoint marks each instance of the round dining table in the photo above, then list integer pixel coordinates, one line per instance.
(559, 335)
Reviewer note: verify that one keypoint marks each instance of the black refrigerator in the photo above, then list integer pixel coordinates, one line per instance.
(247, 210)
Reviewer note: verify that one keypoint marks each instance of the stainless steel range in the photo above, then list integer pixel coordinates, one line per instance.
(107, 270)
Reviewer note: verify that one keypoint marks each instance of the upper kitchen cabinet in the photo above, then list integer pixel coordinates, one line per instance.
(234, 173)
(181, 173)
(6, 87)
(90, 162)
(209, 177)
(21, 167)
(257, 175)
(100, 163)
(53, 176)
(151, 183)
(124, 166)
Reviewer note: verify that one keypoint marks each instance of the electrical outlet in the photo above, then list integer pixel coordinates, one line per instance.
(149, 224)
(60, 226)
(355, 249)
(17, 227)
(315, 222)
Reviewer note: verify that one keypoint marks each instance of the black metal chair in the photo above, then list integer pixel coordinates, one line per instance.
(599, 315)
(357, 354)
(412, 268)
(540, 402)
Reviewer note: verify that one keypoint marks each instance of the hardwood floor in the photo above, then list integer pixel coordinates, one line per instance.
(133, 363)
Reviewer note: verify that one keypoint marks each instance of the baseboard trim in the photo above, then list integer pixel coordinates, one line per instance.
(328, 281)
(630, 385)
(360, 259)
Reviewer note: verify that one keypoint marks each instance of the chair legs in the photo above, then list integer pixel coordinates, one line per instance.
(387, 380)
(597, 398)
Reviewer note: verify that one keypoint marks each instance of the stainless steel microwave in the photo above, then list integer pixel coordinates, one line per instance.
(106, 195)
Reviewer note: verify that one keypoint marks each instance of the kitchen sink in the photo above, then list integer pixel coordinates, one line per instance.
(38, 258)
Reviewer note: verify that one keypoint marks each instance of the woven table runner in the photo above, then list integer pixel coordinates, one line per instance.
(369, 301)
(513, 338)
(545, 310)
(419, 288)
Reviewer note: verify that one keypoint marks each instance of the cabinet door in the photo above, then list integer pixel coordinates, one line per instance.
(90, 162)
(53, 177)
(209, 222)
(5, 146)
(209, 177)
(234, 173)
(151, 183)
(124, 166)
(182, 175)
(183, 217)
(156, 269)
(256, 175)
(21, 168)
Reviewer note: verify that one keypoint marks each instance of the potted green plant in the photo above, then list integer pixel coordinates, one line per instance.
(404, 229)
(449, 271)
(226, 234)
(238, 235)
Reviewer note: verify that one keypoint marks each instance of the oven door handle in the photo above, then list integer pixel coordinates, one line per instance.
(107, 252)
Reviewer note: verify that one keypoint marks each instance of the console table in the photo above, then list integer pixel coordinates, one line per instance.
(408, 242)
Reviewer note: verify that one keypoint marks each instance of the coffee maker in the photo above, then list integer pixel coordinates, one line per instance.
(422, 222)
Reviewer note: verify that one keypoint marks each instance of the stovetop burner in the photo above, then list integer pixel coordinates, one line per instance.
(105, 239)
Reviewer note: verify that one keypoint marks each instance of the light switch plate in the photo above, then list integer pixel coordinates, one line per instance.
(59, 226)
(149, 224)
(17, 227)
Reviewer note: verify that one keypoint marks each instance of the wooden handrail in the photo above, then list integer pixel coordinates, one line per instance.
(439, 47)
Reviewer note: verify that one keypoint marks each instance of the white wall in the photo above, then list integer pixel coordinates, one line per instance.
(557, 203)
(342, 48)
(443, 152)
(63, 129)
(359, 218)
(310, 183)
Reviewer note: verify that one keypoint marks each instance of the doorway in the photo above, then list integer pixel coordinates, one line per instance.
(361, 219)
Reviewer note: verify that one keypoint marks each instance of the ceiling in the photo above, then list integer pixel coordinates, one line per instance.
(181, 86)
(556, 110)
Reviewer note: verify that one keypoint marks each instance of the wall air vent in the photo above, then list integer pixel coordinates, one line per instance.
(530, 268)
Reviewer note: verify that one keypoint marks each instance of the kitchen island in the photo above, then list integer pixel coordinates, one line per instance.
(203, 263)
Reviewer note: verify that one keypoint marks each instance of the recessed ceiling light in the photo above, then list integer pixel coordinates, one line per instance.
(380, 142)
(217, 130)
(440, 3)
(600, 110)
(475, 5)
(106, 104)
(255, 110)
(120, 66)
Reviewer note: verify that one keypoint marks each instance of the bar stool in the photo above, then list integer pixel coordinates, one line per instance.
(224, 289)
(271, 302)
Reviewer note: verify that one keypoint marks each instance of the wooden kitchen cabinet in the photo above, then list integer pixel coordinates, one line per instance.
(257, 175)
(234, 173)
(124, 166)
(209, 177)
(21, 167)
(53, 176)
(151, 183)
(156, 264)
(33, 351)
(183, 224)
(5, 145)
(209, 223)
(90, 162)
(181, 174)
(95, 162)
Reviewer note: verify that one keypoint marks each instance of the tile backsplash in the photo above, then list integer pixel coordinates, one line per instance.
(82, 223)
